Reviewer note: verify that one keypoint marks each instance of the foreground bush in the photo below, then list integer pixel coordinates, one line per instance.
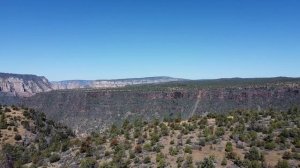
(54, 158)
(88, 163)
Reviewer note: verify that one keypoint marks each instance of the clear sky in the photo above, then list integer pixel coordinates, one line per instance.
(97, 39)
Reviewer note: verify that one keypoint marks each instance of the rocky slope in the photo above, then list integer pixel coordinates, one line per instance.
(91, 109)
(75, 84)
(23, 85)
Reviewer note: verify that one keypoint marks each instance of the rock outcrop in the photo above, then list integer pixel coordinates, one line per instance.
(23, 85)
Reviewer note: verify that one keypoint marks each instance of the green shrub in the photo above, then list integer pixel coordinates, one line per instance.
(86, 146)
(54, 158)
(231, 155)
(207, 163)
(3, 123)
(189, 161)
(252, 164)
(160, 160)
(16, 108)
(296, 156)
(297, 143)
(188, 141)
(179, 161)
(147, 160)
(136, 160)
(106, 153)
(202, 142)
(138, 149)
(33, 166)
(224, 162)
(7, 109)
(26, 114)
(220, 131)
(131, 154)
(228, 147)
(173, 151)
(147, 147)
(253, 154)
(18, 137)
(287, 155)
(282, 164)
(88, 163)
(164, 129)
(65, 146)
(270, 145)
(188, 149)
(26, 125)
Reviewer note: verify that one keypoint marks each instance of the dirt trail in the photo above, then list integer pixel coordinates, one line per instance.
(196, 104)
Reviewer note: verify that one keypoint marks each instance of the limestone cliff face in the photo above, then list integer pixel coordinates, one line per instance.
(23, 85)
(76, 84)
(133, 81)
(71, 84)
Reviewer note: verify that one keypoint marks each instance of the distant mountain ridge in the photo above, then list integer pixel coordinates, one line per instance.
(26, 85)
(112, 83)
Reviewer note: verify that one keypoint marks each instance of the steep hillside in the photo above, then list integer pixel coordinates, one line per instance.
(23, 85)
(75, 84)
(242, 138)
(89, 109)
(27, 137)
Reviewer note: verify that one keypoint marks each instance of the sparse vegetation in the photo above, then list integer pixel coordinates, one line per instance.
(244, 139)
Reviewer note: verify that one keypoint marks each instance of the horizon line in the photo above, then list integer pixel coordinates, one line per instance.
(159, 76)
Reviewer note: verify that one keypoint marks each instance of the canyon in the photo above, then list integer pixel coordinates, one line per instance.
(86, 108)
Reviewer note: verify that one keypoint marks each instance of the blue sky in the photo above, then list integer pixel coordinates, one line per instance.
(95, 39)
